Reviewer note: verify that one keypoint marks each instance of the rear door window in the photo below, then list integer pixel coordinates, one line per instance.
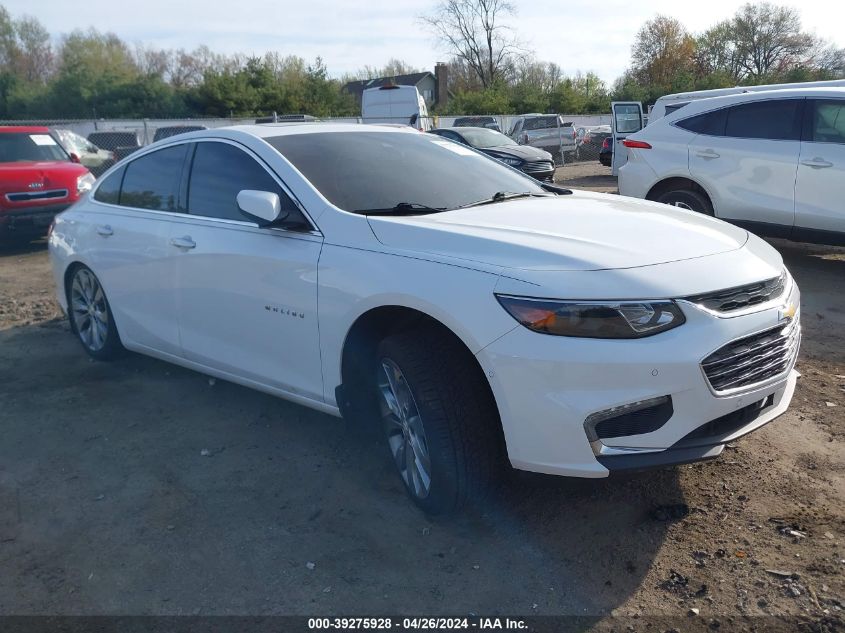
(710, 123)
(109, 190)
(774, 119)
(152, 181)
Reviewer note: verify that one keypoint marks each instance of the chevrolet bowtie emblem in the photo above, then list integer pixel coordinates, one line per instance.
(787, 312)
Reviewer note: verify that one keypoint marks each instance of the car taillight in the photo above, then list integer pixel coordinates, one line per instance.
(605, 144)
(636, 144)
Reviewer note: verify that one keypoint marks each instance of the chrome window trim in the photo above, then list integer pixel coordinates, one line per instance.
(733, 105)
(150, 149)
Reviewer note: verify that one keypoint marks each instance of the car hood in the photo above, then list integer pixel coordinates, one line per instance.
(525, 152)
(581, 231)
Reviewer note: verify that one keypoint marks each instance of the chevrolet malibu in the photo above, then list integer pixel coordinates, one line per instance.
(481, 317)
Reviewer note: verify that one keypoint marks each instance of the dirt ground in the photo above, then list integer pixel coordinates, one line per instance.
(137, 487)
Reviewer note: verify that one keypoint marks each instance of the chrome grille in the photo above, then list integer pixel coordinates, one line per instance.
(26, 196)
(741, 297)
(754, 359)
(537, 166)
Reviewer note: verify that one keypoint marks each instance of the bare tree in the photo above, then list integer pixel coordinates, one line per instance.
(769, 39)
(473, 32)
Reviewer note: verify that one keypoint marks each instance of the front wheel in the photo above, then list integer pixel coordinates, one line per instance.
(441, 424)
(687, 199)
(90, 315)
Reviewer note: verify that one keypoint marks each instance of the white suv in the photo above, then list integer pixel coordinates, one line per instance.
(773, 162)
(396, 277)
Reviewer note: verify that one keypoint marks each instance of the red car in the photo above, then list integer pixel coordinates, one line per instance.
(38, 179)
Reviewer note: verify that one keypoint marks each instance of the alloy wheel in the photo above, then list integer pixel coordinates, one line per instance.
(89, 310)
(404, 429)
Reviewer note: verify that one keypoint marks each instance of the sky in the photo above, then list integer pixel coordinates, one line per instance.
(578, 35)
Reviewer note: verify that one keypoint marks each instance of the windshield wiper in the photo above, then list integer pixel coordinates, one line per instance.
(501, 196)
(403, 208)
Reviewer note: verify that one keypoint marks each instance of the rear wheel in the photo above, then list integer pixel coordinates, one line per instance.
(90, 315)
(687, 199)
(439, 419)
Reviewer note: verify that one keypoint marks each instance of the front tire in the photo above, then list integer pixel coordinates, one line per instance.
(687, 199)
(90, 315)
(439, 418)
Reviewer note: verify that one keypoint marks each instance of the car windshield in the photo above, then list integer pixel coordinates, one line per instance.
(541, 123)
(30, 146)
(483, 138)
(382, 170)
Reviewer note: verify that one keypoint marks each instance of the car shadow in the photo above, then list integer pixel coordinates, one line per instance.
(142, 487)
(21, 246)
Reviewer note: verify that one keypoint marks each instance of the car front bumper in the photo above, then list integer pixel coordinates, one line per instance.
(546, 387)
(31, 221)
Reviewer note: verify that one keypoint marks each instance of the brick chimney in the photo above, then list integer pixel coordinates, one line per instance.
(441, 85)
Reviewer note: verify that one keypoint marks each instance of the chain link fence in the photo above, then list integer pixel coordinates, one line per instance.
(100, 143)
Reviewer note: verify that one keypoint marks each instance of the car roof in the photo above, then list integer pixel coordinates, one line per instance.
(713, 103)
(265, 130)
(25, 129)
(464, 128)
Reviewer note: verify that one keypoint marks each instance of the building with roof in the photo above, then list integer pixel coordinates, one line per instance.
(432, 86)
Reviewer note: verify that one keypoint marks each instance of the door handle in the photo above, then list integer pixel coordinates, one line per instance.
(183, 242)
(105, 230)
(707, 154)
(817, 163)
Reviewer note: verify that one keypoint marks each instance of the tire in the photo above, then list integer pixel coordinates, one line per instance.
(90, 315)
(454, 440)
(687, 199)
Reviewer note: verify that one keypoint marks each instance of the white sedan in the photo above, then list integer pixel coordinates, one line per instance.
(480, 316)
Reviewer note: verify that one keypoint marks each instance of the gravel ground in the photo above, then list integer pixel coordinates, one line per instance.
(137, 487)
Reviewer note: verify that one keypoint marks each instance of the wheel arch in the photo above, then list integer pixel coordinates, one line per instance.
(362, 339)
(677, 182)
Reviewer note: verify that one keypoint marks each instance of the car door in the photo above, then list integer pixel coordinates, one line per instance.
(626, 118)
(747, 163)
(130, 223)
(246, 296)
(821, 170)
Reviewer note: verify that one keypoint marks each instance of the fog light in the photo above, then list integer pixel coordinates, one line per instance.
(634, 418)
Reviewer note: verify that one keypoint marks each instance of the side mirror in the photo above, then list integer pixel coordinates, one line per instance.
(262, 206)
(74, 158)
(413, 120)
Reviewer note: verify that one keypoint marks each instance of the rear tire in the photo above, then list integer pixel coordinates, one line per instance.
(442, 411)
(687, 199)
(90, 315)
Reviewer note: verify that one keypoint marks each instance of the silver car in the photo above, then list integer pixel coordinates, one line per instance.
(545, 131)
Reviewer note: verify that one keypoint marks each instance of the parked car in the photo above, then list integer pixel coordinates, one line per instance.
(771, 161)
(173, 130)
(589, 140)
(546, 131)
(38, 179)
(95, 159)
(120, 143)
(286, 118)
(477, 314)
(477, 121)
(669, 103)
(606, 152)
(530, 160)
(400, 105)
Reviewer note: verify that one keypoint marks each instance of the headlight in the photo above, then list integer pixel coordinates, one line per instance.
(594, 319)
(84, 183)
